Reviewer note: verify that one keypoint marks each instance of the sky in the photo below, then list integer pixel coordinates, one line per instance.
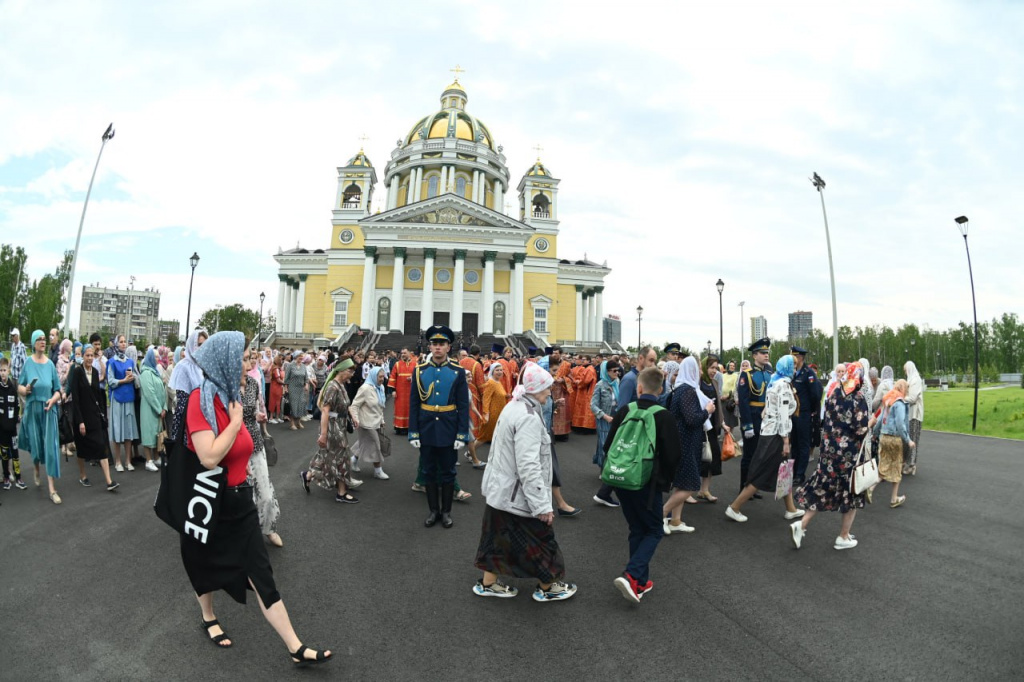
(684, 134)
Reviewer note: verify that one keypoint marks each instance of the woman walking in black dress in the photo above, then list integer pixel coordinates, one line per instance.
(692, 410)
(714, 467)
(89, 405)
(236, 558)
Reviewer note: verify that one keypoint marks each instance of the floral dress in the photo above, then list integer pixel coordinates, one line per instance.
(843, 430)
(329, 465)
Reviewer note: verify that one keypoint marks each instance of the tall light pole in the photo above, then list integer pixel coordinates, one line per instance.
(639, 318)
(217, 324)
(128, 331)
(709, 347)
(720, 285)
(819, 185)
(961, 223)
(742, 303)
(193, 261)
(108, 134)
(259, 327)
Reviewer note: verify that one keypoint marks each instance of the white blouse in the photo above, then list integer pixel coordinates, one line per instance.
(779, 406)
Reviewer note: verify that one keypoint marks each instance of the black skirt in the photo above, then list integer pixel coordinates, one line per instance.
(714, 467)
(518, 546)
(236, 554)
(764, 467)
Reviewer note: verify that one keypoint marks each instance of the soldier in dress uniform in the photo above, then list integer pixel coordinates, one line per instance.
(808, 392)
(750, 394)
(439, 422)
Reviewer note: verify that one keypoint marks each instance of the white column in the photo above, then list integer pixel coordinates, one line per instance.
(487, 313)
(282, 301)
(586, 316)
(369, 285)
(417, 183)
(291, 307)
(599, 315)
(300, 304)
(393, 191)
(476, 186)
(427, 309)
(458, 289)
(517, 312)
(398, 291)
(579, 312)
(499, 197)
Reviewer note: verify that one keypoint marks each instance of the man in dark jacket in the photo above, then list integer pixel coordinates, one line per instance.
(643, 508)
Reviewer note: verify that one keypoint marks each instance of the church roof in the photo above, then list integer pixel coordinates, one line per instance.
(451, 120)
(539, 170)
(360, 159)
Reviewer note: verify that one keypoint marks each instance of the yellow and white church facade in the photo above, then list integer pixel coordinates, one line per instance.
(443, 251)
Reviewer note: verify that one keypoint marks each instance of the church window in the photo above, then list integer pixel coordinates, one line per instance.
(541, 206)
(340, 300)
(460, 186)
(341, 313)
(432, 184)
(351, 196)
(540, 320)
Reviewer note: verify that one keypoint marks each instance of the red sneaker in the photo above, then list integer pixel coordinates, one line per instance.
(629, 588)
(645, 589)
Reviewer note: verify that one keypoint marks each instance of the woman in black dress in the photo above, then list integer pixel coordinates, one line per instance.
(692, 410)
(89, 410)
(714, 467)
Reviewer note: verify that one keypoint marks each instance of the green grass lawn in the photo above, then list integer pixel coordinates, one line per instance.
(1000, 412)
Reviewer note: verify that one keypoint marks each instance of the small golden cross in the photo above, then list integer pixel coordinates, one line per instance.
(362, 141)
(457, 70)
(538, 149)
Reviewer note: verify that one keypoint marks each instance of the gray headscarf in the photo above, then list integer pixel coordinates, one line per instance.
(187, 377)
(220, 359)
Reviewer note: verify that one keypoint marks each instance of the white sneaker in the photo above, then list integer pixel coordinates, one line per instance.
(151, 467)
(796, 529)
(355, 465)
(842, 543)
(353, 483)
(119, 469)
(381, 475)
(795, 515)
(129, 467)
(681, 528)
(735, 515)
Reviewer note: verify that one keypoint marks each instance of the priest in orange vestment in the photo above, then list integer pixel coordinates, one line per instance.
(582, 417)
(401, 382)
(561, 391)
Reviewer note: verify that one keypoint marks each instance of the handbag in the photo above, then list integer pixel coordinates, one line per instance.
(728, 447)
(385, 442)
(865, 474)
(784, 484)
(270, 447)
(65, 427)
(190, 495)
(705, 452)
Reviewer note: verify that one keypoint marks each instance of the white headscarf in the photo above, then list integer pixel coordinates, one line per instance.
(866, 389)
(187, 376)
(689, 375)
(534, 379)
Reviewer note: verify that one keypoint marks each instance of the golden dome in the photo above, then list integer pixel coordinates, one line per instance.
(456, 86)
(360, 159)
(451, 121)
(539, 170)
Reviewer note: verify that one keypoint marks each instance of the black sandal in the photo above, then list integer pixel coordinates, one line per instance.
(217, 639)
(299, 657)
(347, 498)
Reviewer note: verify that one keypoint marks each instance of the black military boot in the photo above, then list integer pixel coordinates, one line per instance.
(432, 502)
(447, 493)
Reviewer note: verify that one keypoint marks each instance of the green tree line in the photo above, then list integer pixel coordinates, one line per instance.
(31, 304)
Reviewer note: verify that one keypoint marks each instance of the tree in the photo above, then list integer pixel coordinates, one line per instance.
(173, 341)
(44, 301)
(12, 284)
(234, 317)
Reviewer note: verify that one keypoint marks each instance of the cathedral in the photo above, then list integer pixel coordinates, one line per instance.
(443, 251)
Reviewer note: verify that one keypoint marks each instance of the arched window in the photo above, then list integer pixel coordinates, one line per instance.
(460, 186)
(351, 196)
(432, 184)
(541, 206)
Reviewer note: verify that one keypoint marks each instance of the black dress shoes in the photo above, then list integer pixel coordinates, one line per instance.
(431, 519)
(446, 520)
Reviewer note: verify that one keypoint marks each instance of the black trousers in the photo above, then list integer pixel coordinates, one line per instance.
(438, 460)
(749, 448)
(800, 444)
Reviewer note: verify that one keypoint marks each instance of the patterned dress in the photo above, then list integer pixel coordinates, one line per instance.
(295, 378)
(330, 465)
(690, 418)
(843, 430)
(262, 489)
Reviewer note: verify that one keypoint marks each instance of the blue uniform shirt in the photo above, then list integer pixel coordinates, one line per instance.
(750, 394)
(439, 404)
(808, 392)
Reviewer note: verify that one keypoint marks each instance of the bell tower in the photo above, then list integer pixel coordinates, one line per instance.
(538, 198)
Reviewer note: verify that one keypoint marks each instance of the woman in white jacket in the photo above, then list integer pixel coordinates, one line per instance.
(915, 410)
(517, 537)
(367, 412)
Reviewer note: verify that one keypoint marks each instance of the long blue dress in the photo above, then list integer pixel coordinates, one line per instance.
(38, 432)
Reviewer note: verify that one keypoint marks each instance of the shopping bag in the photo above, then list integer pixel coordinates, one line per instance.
(784, 485)
(728, 447)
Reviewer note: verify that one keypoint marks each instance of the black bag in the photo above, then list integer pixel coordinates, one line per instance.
(271, 449)
(190, 495)
(287, 409)
(65, 427)
(385, 442)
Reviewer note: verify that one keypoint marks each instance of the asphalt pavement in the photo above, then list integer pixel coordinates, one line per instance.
(94, 588)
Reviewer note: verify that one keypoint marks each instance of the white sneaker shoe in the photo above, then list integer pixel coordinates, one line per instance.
(150, 466)
(735, 515)
(381, 475)
(355, 465)
(842, 543)
(681, 528)
(796, 529)
(795, 515)
(119, 469)
(353, 483)
(129, 467)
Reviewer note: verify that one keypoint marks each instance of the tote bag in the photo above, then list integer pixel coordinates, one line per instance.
(190, 495)
(784, 484)
(865, 473)
(270, 447)
(728, 447)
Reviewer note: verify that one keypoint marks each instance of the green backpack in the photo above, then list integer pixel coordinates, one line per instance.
(630, 458)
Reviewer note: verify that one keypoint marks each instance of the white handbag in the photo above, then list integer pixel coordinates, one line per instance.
(705, 453)
(865, 474)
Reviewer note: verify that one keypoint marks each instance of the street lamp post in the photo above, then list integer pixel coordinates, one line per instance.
(193, 261)
(128, 330)
(962, 226)
(819, 185)
(108, 134)
(720, 285)
(709, 347)
(217, 323)
(259, 327)
(742, 303)
(639, 319)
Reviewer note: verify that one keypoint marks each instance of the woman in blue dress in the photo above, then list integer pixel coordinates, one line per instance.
(121, 380)
(40, 387)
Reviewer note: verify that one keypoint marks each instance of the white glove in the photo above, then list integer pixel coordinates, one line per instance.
(459, 445)
(415, 443)
(749, 433)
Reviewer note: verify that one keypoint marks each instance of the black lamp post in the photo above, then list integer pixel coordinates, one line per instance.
(961, 223)
(720, 285)
(259, 327)
(709, 347)
(639, 318)
(193, 261)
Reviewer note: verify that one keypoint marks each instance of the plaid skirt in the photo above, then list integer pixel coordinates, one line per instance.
(518, 546)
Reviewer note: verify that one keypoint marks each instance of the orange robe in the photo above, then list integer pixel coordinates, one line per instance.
(476, 382)
(575, 374)
(562, 389)
(511, 376)
(401, 381)
(582, 417)
(495, 399)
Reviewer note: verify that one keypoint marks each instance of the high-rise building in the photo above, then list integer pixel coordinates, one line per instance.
(612, 326)
(107, 311)
(758, 328)
(801, 324)
(169, 328)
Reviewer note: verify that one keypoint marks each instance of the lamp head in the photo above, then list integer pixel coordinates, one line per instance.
(639, 310)
(818, 183)
(194, 260)
(720, 285)
(961, 224)
(262, 297)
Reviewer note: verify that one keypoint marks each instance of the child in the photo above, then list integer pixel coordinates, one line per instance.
(10, 415)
